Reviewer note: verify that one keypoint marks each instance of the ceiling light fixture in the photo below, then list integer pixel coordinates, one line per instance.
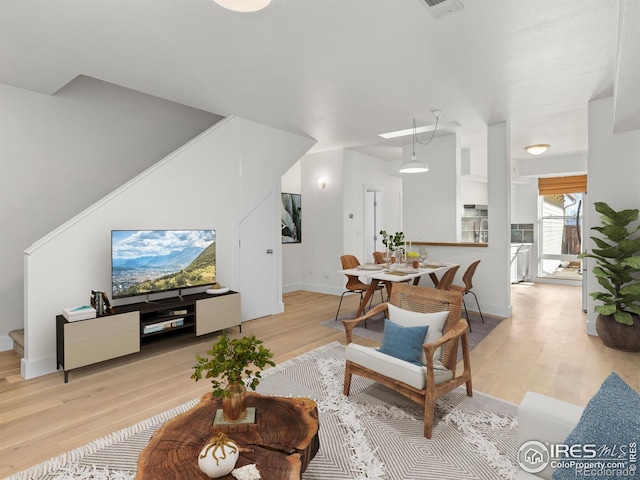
(414, 165)
(537, 149)
(243, 5)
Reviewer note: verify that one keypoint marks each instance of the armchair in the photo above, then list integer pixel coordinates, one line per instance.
(436, 374)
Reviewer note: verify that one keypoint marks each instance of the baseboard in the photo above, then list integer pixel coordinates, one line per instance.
(327, 289)
(37, 368)
(6, 343)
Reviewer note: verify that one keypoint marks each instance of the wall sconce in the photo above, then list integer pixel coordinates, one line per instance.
(322, 183)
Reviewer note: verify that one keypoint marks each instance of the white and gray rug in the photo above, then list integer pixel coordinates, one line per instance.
(373, 434)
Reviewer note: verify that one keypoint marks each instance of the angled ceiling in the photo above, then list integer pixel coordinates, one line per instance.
(344, 71)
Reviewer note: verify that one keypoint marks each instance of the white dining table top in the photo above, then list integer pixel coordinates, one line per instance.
(385, 274)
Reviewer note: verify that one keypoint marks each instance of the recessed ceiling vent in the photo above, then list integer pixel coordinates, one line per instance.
(440, 8)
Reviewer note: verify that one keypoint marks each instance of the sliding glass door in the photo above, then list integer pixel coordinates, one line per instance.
(560, 236)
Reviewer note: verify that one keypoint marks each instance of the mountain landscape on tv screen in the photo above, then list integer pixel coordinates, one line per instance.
(188, 267)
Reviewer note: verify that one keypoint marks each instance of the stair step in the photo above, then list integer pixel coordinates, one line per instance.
(18, 341)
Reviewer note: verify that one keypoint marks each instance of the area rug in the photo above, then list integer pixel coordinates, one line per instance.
(375, 328)
(373, 434)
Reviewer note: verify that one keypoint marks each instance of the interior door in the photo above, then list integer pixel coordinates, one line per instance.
(372, 222)
(257, 260)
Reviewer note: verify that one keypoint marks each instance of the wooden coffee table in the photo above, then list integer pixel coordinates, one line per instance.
(281, 445)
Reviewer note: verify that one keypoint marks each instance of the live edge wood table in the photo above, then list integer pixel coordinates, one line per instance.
(281, 443)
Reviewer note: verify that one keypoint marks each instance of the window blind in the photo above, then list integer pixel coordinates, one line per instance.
(561, 185)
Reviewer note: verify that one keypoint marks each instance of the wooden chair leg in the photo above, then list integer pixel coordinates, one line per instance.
(469, 389)
(347, 380)
(466, 313)
(428, 419)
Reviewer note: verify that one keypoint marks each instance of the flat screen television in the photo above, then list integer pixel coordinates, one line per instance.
(153, 261)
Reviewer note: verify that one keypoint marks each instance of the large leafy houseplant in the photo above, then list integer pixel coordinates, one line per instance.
(618, 322)
(230, 360)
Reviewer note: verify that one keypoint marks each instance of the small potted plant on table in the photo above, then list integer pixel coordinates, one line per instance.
(618, 258)
(228, 361)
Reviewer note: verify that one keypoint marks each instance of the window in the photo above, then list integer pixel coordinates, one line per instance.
(560, 235)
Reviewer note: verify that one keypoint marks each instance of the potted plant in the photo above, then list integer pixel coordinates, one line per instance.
(618, 321)
(228, 361)
(393, 243)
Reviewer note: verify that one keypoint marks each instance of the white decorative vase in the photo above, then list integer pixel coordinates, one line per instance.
(218, 457)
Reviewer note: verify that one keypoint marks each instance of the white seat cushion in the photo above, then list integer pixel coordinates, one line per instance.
(395, 368)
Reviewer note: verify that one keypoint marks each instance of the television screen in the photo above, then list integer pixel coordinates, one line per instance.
(152, 261)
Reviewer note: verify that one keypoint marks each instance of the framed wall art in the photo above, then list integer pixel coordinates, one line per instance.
(291, 224)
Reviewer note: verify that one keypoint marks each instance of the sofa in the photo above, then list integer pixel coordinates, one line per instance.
(545, 419)
(561, 441)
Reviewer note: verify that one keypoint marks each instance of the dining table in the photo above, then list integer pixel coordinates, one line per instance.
(375, 273)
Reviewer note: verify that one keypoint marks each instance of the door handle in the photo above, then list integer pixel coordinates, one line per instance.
(269, 251)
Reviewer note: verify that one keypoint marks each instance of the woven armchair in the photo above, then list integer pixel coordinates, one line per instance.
(438, 375)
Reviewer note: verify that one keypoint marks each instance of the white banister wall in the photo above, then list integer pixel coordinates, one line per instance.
(206, 183)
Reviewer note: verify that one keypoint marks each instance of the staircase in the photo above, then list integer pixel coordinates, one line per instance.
(18, 341)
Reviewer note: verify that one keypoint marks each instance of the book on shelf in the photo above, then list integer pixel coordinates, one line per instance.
(160, 326)
(81, 312)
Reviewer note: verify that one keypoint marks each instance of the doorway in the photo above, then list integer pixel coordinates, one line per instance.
(257, 260)
(373, 221)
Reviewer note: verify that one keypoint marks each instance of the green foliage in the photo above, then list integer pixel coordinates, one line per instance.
(618, 263)
(392, 241)
(229, 360)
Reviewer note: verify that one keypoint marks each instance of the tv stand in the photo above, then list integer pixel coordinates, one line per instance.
(94, 340)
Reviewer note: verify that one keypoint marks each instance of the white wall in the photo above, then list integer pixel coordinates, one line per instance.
(328, 230)
(59, 154)
(431, 200)
(322, 217)
(491, 280)
(362, 171)
(292, 258)
(207, 183)
(614, 178)
(474, 192)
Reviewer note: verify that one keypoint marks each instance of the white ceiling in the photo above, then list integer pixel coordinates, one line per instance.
(344, 71)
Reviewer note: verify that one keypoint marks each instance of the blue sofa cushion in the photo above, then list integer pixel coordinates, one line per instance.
(610, 425)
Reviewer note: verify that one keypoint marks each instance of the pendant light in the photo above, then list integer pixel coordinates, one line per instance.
(414, 165)
(243, 5)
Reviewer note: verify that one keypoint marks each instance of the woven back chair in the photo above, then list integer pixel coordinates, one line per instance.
(434, 383)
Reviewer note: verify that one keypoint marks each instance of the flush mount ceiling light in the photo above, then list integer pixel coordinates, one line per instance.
(414, 165)
(243, 5)
(537, 149)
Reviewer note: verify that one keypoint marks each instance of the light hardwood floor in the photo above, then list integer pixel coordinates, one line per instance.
(543, 347)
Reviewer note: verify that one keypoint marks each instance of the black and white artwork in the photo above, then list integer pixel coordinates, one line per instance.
(291, 218)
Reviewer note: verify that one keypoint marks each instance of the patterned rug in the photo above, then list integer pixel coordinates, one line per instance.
(373, 434)
(375, 328)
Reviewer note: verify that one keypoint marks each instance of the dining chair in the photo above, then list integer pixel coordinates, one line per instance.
(447, 278)
(433, 372)
(354, 285)
(378, 257)
(467, 279)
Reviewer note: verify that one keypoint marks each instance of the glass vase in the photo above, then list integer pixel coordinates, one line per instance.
(234, 407)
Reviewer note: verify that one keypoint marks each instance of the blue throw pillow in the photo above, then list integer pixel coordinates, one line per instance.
(611, 424)
(404, 343)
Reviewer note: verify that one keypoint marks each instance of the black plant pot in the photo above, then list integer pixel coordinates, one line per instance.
(618, 335)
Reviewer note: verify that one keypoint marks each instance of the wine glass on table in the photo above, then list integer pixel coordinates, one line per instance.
(423, 255)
